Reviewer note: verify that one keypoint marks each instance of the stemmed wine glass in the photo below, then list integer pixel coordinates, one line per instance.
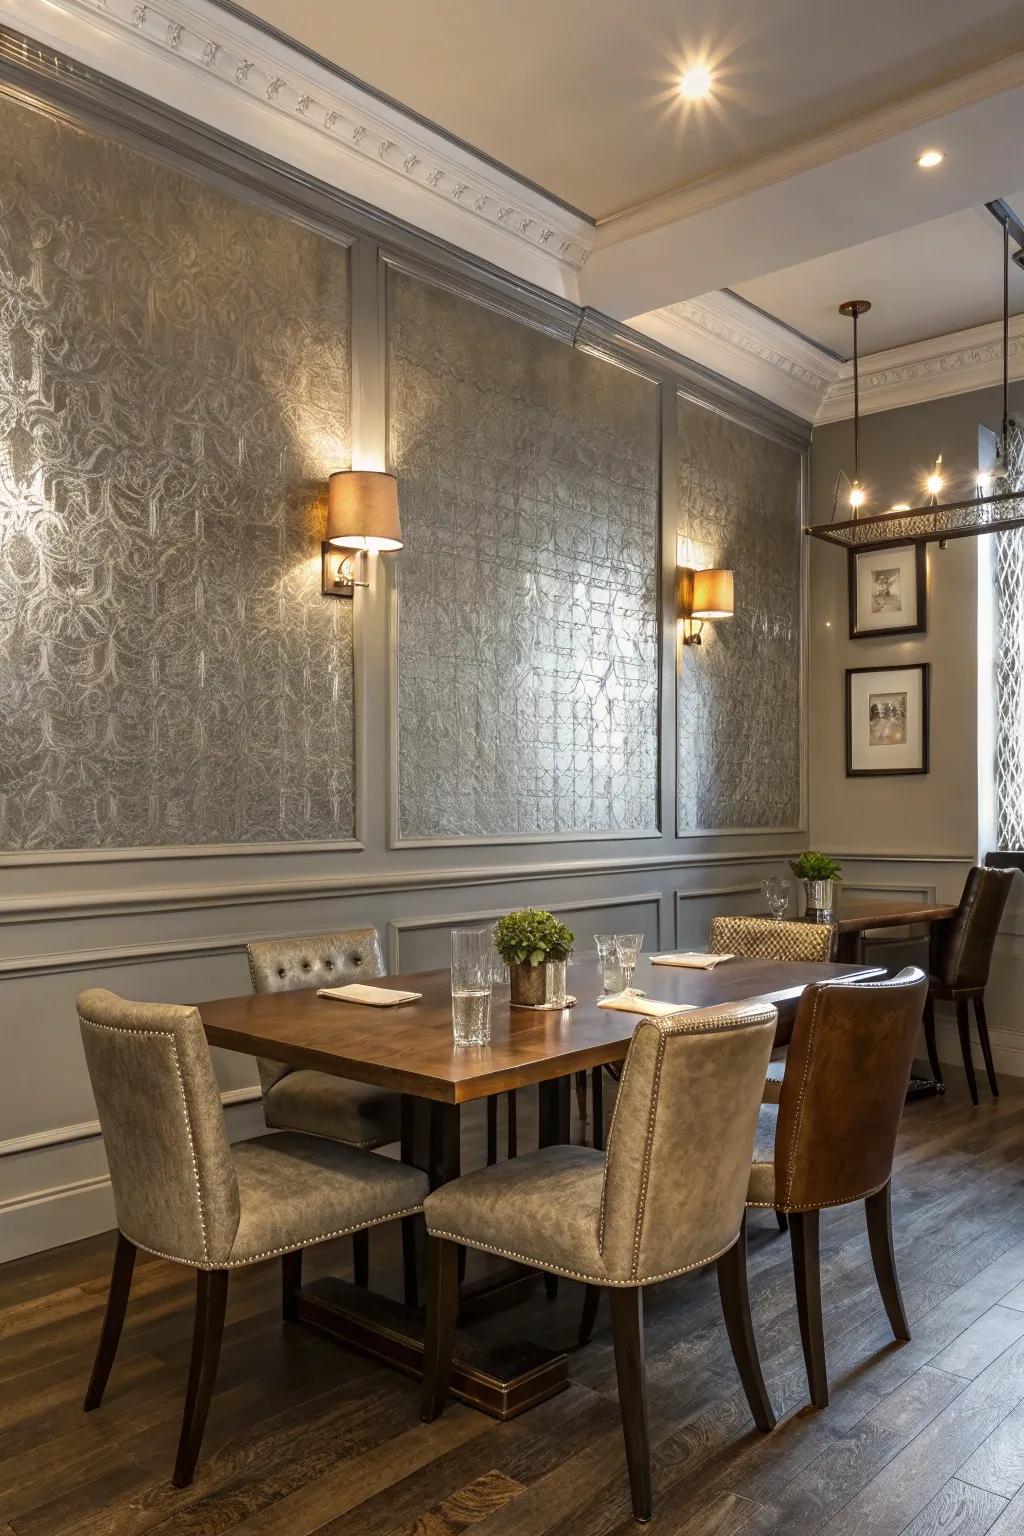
(776, 891)
(628, 947)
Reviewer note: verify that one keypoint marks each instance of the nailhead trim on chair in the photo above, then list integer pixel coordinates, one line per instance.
(272, 1253)
(815, 1205)
(576, 1274)
(166, 1034)
(363, 1146)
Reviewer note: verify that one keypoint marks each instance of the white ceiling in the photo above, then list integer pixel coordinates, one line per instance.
(929, 280)
(579, 96)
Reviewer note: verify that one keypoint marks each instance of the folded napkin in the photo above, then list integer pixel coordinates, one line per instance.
(650, 1007)
(373, 997)
(690, 960)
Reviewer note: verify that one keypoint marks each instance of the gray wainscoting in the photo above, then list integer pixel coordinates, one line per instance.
(527, 658)
(174, 388)
(283, 764)
(739, 710)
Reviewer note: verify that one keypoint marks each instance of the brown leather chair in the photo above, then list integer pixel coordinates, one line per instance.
(830, 1139)
(667, 1199)
(961, 952)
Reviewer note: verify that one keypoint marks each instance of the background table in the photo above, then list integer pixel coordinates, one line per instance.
(410, 1050)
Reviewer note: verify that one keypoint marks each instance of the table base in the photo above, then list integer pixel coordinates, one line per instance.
(498, 1378)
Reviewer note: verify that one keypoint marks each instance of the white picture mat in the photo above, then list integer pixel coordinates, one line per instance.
(904, 562)
(888, 759)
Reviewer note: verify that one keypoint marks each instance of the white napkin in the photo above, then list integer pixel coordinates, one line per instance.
(650, 1007)
(691, 960)
(373, 997)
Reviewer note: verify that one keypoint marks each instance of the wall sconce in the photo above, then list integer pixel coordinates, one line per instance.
(702, 595)
(362, 516)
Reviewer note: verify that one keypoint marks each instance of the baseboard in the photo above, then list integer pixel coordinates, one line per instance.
(1007, 1048)
(49, 1217)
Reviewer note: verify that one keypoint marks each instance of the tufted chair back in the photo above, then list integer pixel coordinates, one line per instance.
(681, 1140)
(762, 938)
(842, 1095)
(966, 943)
(325, 960)
(175, 1189)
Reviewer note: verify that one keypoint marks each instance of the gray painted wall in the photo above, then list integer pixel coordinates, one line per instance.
(169, 920)
(916, 835)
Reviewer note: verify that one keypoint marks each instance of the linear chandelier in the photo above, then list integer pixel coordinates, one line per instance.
(994, 508)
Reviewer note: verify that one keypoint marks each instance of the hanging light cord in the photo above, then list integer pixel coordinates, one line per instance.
(856, 405)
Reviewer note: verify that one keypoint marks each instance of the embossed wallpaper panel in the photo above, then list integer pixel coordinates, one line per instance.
(527, 667)
(174, 390)
(739, 749)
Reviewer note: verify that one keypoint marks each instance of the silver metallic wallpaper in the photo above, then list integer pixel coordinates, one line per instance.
(174, 390)
(739, 747)
(527, 668)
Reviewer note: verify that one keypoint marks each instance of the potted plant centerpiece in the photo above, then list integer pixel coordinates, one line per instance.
(819, 874)
(535, 946)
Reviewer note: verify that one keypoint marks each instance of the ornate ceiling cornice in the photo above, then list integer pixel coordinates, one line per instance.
(226, 57)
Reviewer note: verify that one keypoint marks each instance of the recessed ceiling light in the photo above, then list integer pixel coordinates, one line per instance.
(696, 82)
(930, 158)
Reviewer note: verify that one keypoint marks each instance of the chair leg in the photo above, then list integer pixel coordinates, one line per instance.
(597, 1099)
(442, 1276)
(963, 1025)
(591, 1302)
(113, 1318)
(783, 1221)
(291, 1284)
(986, 1045)
(361, 1258)
(410, 1276)
(803, 1235)
(628, 1339)
(879, 1213)
(929, 1040)
(581, 1095)
(492, 1130)
(513, 1132)
(732, 1286)
(211, 1301)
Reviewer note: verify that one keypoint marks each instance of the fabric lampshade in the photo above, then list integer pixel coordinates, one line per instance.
(712, 595)
(362, 510)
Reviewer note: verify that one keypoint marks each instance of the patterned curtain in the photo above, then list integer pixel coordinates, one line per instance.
(1009, 665)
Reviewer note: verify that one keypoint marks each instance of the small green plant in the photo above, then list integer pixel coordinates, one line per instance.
(816, 866)
(532, 936)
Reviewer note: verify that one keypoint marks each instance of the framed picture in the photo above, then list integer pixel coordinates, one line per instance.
(888, 591)
(887, 719)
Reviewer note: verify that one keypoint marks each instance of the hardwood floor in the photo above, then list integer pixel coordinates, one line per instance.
(924, 1437)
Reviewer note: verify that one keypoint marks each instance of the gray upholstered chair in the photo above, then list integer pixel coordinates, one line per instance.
(182, 1192)
(765, 938)
(831, 1138)
(666, 1198)
(318, 1103)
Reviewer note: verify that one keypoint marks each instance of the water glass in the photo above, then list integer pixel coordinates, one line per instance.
(501, 984)
(608, 960)
(627, 948)
(472, 970)
(775, 891)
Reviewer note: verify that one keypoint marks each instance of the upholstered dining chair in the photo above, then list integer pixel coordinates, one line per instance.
(764, 938)
(961, 953)
(830, 1139)
(317, 1103)
(183, 1193)
(688, 1100)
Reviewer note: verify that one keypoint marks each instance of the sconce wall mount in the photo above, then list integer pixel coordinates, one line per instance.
(702, 595)
(362, 518)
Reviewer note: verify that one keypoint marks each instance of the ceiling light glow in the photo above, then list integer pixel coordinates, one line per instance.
(696, 82)
(933, 485)
(930, 159)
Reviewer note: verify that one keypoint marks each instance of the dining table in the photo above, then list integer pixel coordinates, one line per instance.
(410, 1050)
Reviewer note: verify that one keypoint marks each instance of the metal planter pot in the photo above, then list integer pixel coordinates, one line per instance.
(820, 897)
(537, 986)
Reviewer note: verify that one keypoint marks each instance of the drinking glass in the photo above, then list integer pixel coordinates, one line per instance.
(608, 960)
(501, 986)
(775, 891)
(627, 947)
(472, 970)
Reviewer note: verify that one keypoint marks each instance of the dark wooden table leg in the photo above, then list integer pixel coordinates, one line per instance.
(555, 1109)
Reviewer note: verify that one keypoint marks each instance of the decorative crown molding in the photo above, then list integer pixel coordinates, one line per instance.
(926, 370)
(229, 62)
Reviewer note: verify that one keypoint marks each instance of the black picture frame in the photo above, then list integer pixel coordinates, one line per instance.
(925, 670)
(920, 627)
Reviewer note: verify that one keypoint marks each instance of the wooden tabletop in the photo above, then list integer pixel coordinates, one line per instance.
(857, 916)
(409, 1049)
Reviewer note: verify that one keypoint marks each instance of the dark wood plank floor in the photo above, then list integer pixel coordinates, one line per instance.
(925, 1437)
